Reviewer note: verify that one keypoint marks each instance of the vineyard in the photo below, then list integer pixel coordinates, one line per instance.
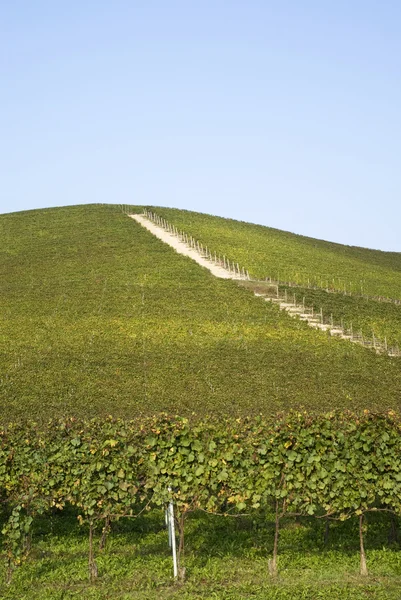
(284, 467)
(287, 257)
(93, 306)
(362, 314)
(355, 286)
(334, 467)
(369, 317)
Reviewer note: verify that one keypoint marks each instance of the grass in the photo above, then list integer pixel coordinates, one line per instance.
(225, 559)
(100, 317)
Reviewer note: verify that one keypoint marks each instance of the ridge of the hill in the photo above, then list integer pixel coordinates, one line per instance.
(99, 317)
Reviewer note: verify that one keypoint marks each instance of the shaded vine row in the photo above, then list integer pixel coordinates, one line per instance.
(332, 466)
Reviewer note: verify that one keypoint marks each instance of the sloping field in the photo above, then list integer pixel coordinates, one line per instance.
(307, 262)
(289, 257)
(99, 317)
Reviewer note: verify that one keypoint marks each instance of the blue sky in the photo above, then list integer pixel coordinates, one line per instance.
(281, 113)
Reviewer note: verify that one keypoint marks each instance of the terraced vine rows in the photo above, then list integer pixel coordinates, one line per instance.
(270, 292)
(291, 258)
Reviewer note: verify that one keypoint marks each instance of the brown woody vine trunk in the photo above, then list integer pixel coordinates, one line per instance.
(92, 564)
(27, 542)
(326, 532)
(273, 561)
(393, 531)
(105, 532)
(363, 567)
(180, 553)
(10, 570)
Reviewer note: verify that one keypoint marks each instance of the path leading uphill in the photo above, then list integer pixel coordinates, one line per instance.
(187, 246)
(182, 248)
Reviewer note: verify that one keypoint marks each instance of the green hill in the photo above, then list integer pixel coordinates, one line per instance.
(100, 317)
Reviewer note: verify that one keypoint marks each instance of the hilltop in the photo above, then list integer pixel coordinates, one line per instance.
(100, 317)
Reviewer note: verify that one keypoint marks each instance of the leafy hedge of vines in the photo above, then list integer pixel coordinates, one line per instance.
(335, 465)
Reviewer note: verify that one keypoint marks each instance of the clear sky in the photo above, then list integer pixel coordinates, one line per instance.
(285, 113)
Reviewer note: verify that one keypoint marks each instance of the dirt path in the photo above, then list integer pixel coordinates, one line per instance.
(183, 248)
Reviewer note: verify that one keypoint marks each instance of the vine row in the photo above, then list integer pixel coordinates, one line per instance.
(331, 466)
(315, 282)
(277, 292)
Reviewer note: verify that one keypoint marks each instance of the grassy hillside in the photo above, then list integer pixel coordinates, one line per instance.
(100, 317)
(290, 257)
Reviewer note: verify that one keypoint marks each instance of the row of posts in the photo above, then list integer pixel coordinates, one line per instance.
(244, 274)
(241, 273)
(373, 342)
(222, 261)
(325, 285)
